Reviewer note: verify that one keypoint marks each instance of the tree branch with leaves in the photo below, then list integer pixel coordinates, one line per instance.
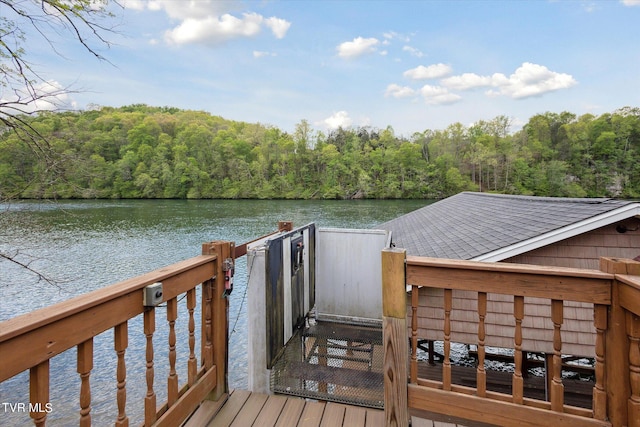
(24, 90)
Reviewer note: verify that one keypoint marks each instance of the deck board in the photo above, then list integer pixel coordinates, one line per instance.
(355, 416)
(333, 415)
(311, 414)
(243, 408)
(291, 412)
(250, 410)
(205, 412)
(375, 418)
(231, 408)
(271, 411)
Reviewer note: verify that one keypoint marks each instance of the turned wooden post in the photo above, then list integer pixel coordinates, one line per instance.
(85, 365)
(616, 349)
(192, 364)
(415, 299)
(39, 392)
(394, 324)
(121, 342)
(633, 404)
(600, 387)
(172, 380)
(149, 319)
(446, 362)
(517, 387)
(481, 374)
(557, 388)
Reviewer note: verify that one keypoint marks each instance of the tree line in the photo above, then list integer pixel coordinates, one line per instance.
(140, 151)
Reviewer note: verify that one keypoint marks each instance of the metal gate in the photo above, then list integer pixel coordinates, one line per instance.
(290, 287)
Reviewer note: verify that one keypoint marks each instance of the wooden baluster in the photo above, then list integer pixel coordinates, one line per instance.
(192, 364)
(599, 389)
(85, 365)
(150, 398)
(481, 374)
(207, 348)
(446, 364)
(415, 292)
(557, 388)
(121, 342)
(39, 392)
(172, 380)
(518, 381)
(633, 404)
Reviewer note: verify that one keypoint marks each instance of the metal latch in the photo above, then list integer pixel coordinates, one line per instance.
(229, 270)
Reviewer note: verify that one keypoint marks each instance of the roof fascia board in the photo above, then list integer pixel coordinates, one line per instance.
(563, 233)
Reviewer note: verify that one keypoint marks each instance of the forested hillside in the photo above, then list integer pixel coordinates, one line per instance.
(146, 152)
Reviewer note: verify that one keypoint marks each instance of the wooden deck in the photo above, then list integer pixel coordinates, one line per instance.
(243, 408)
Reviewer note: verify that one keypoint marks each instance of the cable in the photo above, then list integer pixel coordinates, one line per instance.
(246, 288)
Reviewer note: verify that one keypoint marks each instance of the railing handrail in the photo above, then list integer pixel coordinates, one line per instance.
(45, 332)
(38, 318)
(630, 299)
(506, 267)
(615, 294)
(590, 286)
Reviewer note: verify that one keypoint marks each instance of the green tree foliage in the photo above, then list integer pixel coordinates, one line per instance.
(148, 152)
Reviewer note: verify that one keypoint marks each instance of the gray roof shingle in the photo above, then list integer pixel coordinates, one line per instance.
(469, 224)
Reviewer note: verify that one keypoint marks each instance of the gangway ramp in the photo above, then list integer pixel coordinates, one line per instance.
(334, 362)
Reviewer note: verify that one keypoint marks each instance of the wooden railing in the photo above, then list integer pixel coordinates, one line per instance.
(614, 293)
(28, 342)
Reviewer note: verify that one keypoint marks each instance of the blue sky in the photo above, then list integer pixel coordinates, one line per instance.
(413, 65)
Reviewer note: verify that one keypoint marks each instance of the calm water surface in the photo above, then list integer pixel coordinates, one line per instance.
(80, 246)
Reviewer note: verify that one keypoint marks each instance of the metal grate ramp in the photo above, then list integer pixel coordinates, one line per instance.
(331, 361)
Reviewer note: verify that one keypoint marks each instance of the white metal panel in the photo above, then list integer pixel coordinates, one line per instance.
(286, 267)
(305, 242)
(349, 274)
(258, 374)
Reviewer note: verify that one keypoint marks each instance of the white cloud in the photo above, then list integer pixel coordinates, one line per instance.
(467, 81)
(278, 26)
(438, 95)
(182, 10)
(534, 80)
(398, 91)
(392, 35)
(338, 119)
(431, 72)
(527, 81)
(631, 2)
(210, 21)
(133, 4)
(413, 51)
(359, 46)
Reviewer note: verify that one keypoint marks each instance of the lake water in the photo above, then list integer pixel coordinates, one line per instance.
(80, 246)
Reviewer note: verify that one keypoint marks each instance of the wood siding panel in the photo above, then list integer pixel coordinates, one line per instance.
(585, 250)
(578, 332)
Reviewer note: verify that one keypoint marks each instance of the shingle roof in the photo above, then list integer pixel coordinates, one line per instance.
(469, 225)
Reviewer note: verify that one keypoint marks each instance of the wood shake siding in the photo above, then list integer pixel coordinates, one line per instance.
(578, 333)
(585, 250)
